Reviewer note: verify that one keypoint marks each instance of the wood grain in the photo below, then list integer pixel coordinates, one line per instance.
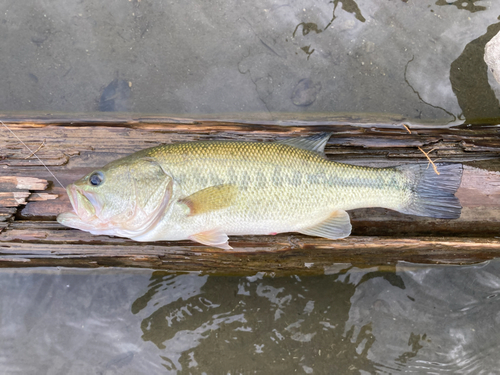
(30, 199)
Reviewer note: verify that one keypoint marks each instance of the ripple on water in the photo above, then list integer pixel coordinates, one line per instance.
(388, 320)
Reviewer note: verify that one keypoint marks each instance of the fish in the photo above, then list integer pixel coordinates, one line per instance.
(205, 191)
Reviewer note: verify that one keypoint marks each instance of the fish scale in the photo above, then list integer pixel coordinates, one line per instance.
(284, 187)
(208, 190)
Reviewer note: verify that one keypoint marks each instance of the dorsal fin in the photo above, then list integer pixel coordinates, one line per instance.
(314, 142)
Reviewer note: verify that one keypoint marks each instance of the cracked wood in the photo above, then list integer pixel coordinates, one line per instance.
(30, 201)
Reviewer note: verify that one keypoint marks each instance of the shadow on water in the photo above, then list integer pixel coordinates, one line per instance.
(469, 80)
(261, 324)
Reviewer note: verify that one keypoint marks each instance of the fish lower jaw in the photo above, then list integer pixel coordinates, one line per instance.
(72, 220)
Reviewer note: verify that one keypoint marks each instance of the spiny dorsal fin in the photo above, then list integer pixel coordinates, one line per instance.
(338, 225)
(212, 198)
(314, 142)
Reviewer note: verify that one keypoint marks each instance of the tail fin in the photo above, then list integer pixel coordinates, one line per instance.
(432, 194)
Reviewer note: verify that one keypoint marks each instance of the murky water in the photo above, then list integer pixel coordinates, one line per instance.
(419, 60)
(408, 319)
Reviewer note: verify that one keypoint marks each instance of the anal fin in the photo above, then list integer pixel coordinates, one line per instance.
(338, 225)
(214, 237)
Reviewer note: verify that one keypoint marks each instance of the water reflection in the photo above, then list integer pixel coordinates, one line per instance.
(198, 59)
(441, 322)
(469, 80)
(276, 323)
(403, 319)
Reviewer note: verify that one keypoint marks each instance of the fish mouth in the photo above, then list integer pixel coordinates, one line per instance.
(83, 206)
(84, 209)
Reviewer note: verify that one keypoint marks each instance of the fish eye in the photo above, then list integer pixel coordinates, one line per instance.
(96, 178)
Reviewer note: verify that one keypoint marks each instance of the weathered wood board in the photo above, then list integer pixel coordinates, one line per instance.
(30, 199)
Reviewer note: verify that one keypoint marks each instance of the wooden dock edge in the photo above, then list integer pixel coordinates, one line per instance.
(30, 200)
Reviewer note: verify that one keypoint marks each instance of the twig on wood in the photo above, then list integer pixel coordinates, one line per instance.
(430, 160)
(407, 128)
(38, 149)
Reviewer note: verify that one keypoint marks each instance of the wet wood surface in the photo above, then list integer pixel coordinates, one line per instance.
(30, 199)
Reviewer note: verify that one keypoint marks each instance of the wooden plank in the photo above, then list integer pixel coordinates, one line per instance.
(31, 237)
(12, 183)
(131, 119)
(6, 214)
(282, 254)
(13, 199)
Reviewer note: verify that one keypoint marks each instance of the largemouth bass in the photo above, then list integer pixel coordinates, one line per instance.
(205, 191)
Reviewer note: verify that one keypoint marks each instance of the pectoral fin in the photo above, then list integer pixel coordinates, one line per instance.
(214, 237)
(338, 225)
(212, 198)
